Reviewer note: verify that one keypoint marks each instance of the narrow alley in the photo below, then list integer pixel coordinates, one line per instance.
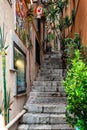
(46, 104)
(43, 64)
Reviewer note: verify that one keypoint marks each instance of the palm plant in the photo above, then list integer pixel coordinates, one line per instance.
(3, 54)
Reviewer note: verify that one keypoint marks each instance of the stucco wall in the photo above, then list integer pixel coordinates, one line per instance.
(80, 23)
(7, 17)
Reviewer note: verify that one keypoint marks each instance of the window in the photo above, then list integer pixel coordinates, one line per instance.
(20, 66)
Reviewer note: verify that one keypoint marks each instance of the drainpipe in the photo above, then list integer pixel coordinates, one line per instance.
(77, 4)
(30, 69)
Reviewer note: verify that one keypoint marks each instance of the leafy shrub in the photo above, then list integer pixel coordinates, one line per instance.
(75, 86)
(71, 45)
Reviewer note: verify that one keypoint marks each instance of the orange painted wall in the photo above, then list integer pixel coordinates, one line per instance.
(67, 12)
(80, 24)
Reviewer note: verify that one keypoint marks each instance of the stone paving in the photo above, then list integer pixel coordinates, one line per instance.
(47, 101)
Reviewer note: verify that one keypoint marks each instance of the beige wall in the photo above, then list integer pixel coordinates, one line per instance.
(7, 17)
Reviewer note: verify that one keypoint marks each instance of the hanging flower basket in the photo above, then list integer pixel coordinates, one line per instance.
(39, 12)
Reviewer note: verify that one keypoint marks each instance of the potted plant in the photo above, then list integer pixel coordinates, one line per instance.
(75, 85)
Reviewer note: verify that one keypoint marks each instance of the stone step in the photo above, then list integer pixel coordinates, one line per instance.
(40, 118)
(49, 62)
(48, 94)
(47, 89)
(51, 67)
(57, 55)
(46, 108)
(57, 61)
(51, 78)
(47, 83)
(46, 105)
(44, 127)
(46, 100)
(49, 71)
(50, 75)
(54, 72)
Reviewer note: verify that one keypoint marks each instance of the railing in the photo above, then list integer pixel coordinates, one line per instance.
(9, 125)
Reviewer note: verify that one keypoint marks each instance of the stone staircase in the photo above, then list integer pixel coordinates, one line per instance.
(47, 101)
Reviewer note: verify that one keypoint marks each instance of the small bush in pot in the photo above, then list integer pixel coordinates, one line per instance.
(75, 86)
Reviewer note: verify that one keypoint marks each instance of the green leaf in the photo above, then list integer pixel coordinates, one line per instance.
(6, 47)
(2, 38)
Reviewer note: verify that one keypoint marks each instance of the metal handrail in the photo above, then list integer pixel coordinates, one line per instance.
(10, 124)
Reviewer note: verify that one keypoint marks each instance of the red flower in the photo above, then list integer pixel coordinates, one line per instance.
(38, 10)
